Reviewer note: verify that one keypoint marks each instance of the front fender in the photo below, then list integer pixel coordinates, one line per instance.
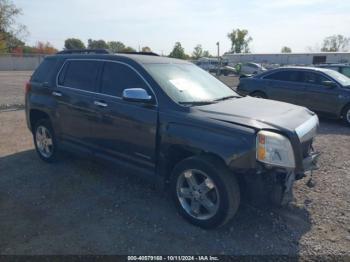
(234, 145)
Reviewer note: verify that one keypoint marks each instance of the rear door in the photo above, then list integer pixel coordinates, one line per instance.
(76, 91)
(126, 130)
(285, 86)
(318, 96)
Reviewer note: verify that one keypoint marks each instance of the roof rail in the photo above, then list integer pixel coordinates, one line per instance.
(84, 51)
(138, 53)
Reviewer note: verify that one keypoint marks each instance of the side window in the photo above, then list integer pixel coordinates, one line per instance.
(291, 76)
(117, 77)
(44, 71)
(80, 75)
(313, 78)
(345, 71)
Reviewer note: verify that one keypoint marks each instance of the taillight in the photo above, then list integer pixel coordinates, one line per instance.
(28, 87)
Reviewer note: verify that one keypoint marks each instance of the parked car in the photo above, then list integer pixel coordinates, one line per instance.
(227, 70)
(249, 68)
(171, 121)
(322, 90)
(341, 68)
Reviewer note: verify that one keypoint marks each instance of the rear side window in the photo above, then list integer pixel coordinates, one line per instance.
(44, 71)
(291, 76)
(80, 75)
(117, 77)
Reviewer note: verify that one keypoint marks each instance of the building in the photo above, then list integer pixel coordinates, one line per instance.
(289, 58)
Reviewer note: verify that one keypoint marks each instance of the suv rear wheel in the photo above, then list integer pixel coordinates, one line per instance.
(45, 141)
(346, 115)
(205, 192)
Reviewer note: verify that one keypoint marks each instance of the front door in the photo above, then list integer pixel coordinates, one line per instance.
(318, 96)
(126, 130)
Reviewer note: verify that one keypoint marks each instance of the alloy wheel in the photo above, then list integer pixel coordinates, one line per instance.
(44, 141)
(197, 194)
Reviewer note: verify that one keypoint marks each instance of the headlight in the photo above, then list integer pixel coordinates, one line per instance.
(274, 149)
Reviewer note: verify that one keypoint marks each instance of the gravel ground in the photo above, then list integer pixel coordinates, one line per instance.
(82, 206)
(12, 85)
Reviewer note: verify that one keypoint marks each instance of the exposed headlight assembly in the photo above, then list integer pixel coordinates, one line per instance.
(274, 149)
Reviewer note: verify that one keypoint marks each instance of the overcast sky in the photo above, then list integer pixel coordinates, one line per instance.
(160, 23)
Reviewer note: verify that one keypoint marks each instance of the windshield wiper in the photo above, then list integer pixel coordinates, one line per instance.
(226, 98)
(198, 103)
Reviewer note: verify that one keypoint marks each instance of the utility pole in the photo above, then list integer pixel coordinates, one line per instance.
(218, 69)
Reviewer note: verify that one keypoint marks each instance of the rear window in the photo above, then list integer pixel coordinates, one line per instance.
(44, 71)
(80, 75)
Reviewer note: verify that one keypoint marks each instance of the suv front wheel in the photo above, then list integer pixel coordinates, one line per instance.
(205, 192)
(44, 140)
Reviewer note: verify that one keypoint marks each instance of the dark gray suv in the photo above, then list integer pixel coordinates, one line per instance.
(322, 90)
(172, 122)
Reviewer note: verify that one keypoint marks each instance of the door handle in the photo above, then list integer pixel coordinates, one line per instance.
(54, 93)
(100, 104)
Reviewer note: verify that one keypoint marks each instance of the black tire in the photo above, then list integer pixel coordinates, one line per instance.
(346, 115)
(225, 185)
(259, 94)
(46, 124)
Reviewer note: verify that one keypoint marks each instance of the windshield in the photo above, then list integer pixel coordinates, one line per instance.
(187, 83)
(340, 78)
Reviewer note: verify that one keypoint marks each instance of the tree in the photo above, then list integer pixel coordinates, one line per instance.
(239, 40)
(97, 44)
(146, 49)
(335, 43)
(178, 51)
(197, 52)
(40, 48)
(116, 46)
(286, 49)
(206, 54)
(10, 30)
(129, 49)
(73, 43)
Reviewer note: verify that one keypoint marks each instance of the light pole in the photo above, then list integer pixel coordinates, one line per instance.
(218, 69)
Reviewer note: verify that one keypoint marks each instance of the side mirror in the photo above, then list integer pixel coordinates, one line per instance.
(329, 84)
(136, 95)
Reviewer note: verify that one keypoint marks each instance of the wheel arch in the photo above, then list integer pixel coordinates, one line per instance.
(35, 115)
(178, 153)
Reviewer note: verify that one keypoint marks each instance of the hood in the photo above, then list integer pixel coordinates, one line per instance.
(257, 113)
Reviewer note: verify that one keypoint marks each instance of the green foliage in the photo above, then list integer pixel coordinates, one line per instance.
(239, 41)
(73, 43)
(129, 49)
(335, 43)
(206, 54)
(286, 49)
(10, 30)
(116, 46)
(178, 51)
(97, 44)
(146, 49)
(197, 52)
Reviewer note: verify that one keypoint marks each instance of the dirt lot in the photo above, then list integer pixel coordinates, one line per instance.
(12, 85)
(79, 206)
